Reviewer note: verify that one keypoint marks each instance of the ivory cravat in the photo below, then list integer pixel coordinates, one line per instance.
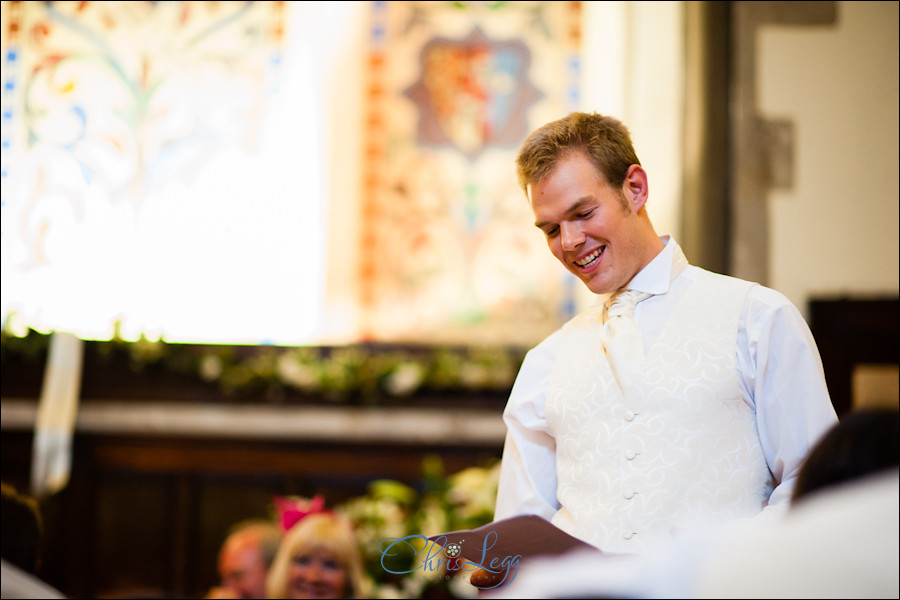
(621, 336)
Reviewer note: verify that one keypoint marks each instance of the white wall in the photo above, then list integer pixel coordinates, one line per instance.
(836, 232)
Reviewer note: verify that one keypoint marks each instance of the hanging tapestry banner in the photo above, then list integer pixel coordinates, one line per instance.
(449, 252)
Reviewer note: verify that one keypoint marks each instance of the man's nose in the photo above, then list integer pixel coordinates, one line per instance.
(571, 235)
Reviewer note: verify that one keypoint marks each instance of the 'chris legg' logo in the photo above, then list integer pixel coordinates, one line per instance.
(508, 566)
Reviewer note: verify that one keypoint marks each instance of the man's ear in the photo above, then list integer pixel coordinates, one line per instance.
(635, 187)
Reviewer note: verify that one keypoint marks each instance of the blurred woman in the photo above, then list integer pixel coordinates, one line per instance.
(318, 558)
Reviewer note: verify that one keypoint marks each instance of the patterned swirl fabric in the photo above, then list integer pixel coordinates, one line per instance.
(679, 449)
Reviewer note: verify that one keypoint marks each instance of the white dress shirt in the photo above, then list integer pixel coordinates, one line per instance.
(780, 377)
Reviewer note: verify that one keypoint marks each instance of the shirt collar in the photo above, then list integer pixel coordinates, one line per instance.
(656, 277)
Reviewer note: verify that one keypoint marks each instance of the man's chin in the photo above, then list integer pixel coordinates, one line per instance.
(596, 286)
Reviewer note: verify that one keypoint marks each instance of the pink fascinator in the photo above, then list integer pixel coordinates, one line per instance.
(291, 509)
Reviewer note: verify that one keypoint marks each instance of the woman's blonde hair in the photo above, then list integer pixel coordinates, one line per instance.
(323, 531)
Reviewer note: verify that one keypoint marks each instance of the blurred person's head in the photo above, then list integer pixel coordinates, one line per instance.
(319, 558)
(245, 558)
(23, 530)
(863, 443)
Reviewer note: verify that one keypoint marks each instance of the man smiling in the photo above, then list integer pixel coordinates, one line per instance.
(704, 415)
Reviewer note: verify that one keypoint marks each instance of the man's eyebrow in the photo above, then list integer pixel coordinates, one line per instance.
(574, 208)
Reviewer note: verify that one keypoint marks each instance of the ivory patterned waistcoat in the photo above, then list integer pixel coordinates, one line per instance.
(679, 450)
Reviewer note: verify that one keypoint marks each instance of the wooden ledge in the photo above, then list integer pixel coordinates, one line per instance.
(441, 426)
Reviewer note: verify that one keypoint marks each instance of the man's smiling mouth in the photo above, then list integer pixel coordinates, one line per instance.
(590, 259)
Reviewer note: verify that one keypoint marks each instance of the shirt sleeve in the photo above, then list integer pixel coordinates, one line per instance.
(783, 380)
(527, 482)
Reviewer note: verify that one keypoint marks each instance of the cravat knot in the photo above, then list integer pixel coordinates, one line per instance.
(622, 303)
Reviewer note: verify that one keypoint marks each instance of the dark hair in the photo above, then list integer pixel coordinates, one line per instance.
(23, 529)
(603, 139)
(864, 442)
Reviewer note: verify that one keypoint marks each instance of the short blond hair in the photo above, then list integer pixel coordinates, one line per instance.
(603, 139)
(323, 531)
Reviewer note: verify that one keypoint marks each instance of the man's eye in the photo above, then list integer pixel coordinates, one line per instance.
(585, 215)
(551, 232)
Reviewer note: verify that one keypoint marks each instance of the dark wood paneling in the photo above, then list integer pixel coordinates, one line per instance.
(853, 331)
